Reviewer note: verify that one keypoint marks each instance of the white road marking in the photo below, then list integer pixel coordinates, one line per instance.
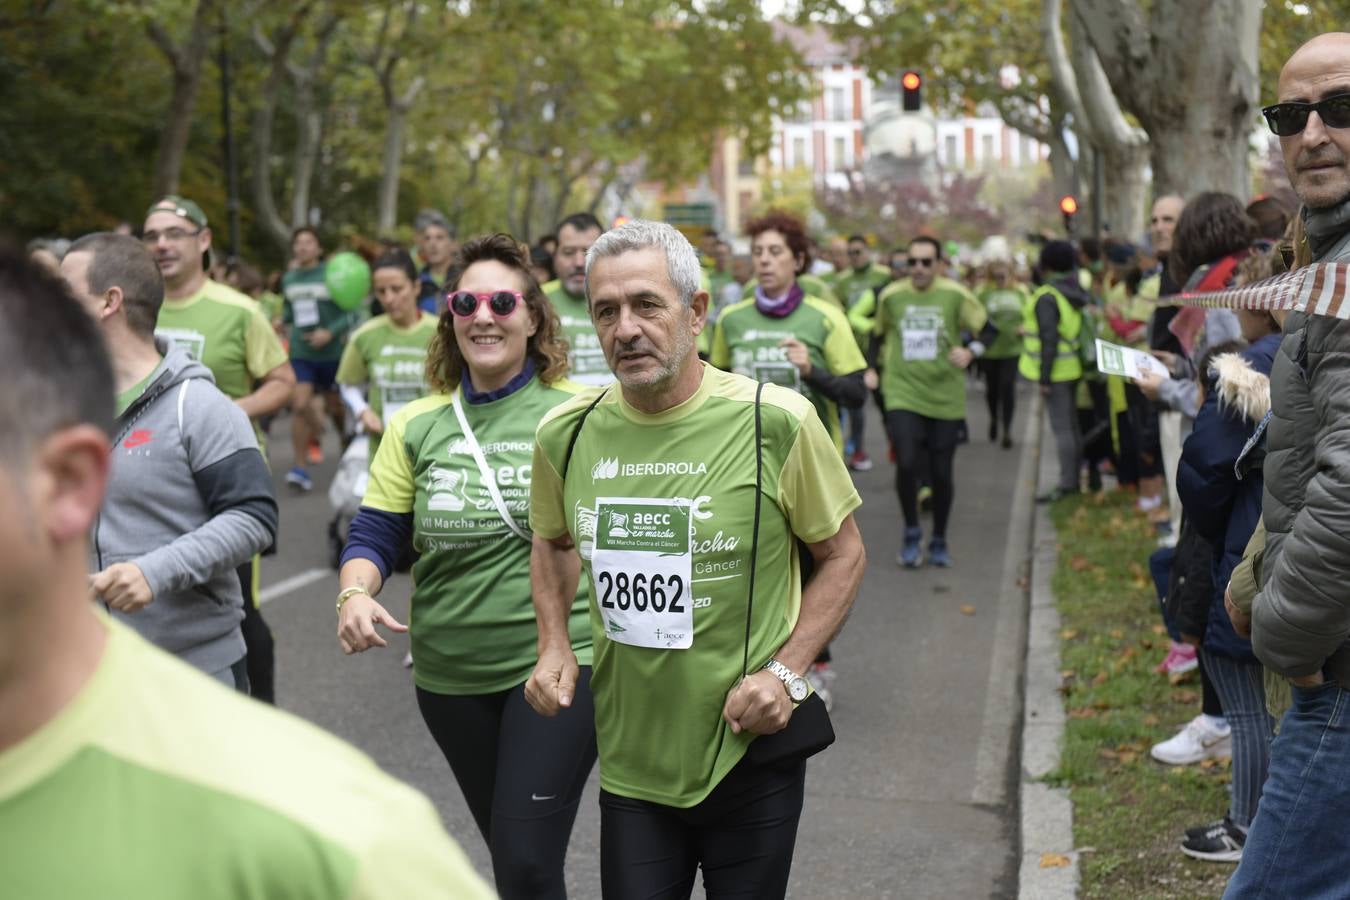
(294, 583)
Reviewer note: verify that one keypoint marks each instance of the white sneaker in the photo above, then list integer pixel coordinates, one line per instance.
(1198, 740)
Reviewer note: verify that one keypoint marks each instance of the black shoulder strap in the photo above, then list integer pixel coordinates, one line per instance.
(576, 433)
(754, 534)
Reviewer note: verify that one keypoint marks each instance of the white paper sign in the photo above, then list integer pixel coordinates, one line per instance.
(1113, 359)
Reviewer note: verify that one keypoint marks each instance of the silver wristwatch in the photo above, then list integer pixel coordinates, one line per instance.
(797, 686)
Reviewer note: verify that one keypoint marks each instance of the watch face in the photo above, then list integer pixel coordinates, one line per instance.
(798, 689)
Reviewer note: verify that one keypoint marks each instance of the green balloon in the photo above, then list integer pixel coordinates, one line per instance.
(347, 276)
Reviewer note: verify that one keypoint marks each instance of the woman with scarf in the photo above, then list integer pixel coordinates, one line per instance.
(789, 337)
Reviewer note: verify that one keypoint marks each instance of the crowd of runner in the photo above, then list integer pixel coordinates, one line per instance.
(619, 469)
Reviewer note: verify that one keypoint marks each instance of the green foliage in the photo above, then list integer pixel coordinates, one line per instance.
(528, 108)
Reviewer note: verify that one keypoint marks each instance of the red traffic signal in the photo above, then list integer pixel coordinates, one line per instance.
(1068, 205)
(911, 85)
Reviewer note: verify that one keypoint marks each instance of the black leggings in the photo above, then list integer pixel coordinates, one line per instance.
(742, 834)
(522, 776)
(1000, 380)
(919, 439)
(258, 642)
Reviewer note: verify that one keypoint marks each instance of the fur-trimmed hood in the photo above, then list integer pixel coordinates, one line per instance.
(1240, 387)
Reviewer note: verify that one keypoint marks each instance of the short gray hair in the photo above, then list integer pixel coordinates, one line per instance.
(429, 217)
(682, 266)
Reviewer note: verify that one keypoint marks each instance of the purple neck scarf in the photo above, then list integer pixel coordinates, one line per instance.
(779, 307)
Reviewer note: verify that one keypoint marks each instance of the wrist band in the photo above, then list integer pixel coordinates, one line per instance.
(349, 593)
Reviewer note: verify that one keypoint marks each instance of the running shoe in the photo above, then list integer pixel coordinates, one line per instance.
(938, 555)
(860, 461)
(1221, 843)
(821, 677)
(1199, 739)
(993, 431)
(408, 660)
(299, 479)
(1181, 658)
(1007, 441)
(1198, 831)
(315, 453)
(911, 554)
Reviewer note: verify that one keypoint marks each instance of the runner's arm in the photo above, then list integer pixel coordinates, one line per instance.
(555, 569)
(354, 395)
(846, 390)
(272, 393)
(827, 597)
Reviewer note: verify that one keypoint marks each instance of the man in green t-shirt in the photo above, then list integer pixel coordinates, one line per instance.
(927, 330)
(227, 332)
(567, 293)
(318, 334)
(109, 747)
(653, 482)
(852, 285)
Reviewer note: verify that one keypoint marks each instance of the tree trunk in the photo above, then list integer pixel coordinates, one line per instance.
(1124, 190)
(265, 207)
(186, 65)
(387, 216)
(1192, 88)
(310, 122)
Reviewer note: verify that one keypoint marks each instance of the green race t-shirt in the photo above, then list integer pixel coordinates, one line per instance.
(225, 331)
(851, 284)
(392, 361)
(918, 329)
(677, 490)
(1004, 308)
(171, 785)
(747, 342)
(585, 356)
(308, 308)
(473, 628)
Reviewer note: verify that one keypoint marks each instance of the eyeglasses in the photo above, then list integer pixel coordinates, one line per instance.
(171, 234)
(926, 263)
(856, 252)
(502, 303)
(1289, 119)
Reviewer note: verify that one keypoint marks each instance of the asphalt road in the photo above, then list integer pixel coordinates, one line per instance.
(915, 798)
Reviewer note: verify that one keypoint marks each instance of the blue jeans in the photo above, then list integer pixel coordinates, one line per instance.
(1298, 844)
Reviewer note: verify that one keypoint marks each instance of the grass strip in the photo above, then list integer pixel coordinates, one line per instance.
(1130, 812)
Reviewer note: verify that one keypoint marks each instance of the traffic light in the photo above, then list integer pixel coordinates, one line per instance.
(911, 87)
(1068, 205)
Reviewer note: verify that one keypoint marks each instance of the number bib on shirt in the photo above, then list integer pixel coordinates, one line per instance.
(919, 338)
(305, 313)
(394, 397)
(642, 567)
(783, 374)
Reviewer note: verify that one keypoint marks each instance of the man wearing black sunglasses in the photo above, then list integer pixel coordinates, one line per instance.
(1300, 618)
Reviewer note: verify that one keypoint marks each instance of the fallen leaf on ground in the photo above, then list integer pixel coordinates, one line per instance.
(1068, 634)
(1117, 633)
(1054, 860)
(1150, 720)
(1100, 678)
(1083, 712)
(967, 609)
(1079, 563)
(1160, 629)
(1185, 696)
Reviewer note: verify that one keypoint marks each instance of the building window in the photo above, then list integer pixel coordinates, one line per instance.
(839, 110)
(799, 152)
(949, 149)
(840, 154)
(987, 148)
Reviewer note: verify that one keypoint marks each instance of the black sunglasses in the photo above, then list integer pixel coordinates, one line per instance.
(1288, 119)
(502, 303)
(926, 263)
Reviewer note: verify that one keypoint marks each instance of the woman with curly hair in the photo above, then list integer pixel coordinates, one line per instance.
(453, 472)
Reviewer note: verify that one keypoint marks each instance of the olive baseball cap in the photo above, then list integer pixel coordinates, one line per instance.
(179, 206)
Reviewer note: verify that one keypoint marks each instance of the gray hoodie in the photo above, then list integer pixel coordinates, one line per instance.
(189, 501)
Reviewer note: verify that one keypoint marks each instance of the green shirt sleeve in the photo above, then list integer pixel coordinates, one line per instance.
(720, 356)
(814, 488)
(862, 317)
(352, 369)
(842, 356)
(973, 315)
(548, 519)
(392, 483)
(262, 349)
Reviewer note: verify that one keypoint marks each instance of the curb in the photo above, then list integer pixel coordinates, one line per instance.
(1049, 866)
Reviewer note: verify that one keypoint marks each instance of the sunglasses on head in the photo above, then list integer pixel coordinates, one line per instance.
(1288, 119)
(502, 303)
(926, 263)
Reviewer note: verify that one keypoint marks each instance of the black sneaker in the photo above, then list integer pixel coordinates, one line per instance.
(1222, 842)
(1200, 831)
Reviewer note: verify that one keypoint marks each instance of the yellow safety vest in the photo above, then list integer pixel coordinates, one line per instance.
(1068, 360)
